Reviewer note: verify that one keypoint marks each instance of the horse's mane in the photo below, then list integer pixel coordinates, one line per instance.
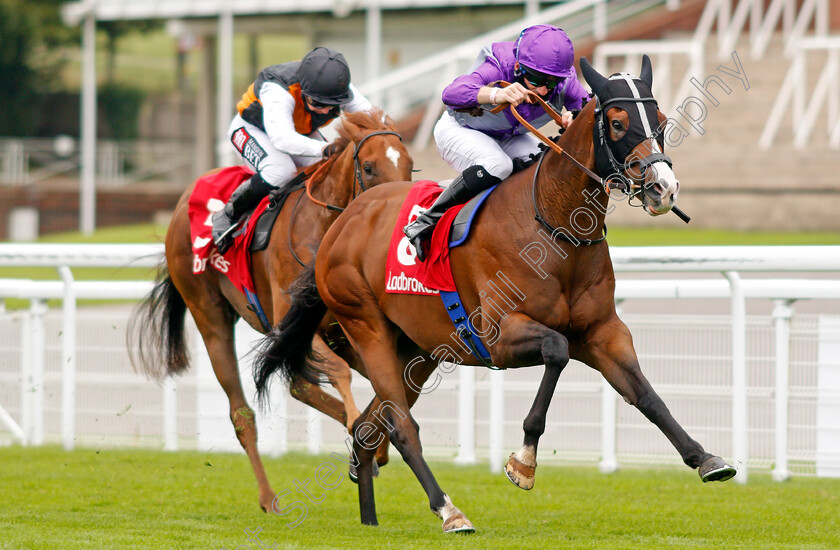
(364, 120)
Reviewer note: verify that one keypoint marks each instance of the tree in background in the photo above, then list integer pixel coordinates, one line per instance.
(31, 36)
(35, 44)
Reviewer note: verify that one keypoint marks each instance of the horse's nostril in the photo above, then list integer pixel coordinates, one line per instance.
(659, 188)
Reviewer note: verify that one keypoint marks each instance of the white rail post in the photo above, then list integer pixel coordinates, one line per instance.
(32, 369)
(497, 419)
(609, 462)
(373, 45)
(280, 425)
(224, 100)
(739, 376)
(68, 361)
(466, 415)
(599, 20)
(27, 349)
(38, 313)
(170, 414)
(782, 313)
(313, 430)
(87, 185)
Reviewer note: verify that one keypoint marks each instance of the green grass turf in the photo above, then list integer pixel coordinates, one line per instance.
(157, 500)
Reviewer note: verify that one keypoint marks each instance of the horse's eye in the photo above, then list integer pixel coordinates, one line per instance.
(368, 170)
(617, 126)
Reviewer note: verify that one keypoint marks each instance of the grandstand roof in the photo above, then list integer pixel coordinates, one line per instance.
(109, 10)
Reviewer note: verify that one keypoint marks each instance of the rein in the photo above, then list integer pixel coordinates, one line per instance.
(357, 171)
(320, 174)
(555, 232)
(554, 115)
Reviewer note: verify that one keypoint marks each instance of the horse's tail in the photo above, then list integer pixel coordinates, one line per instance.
(288, 346)
(155, 335)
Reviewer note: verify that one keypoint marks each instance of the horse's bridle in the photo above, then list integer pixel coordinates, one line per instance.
(357, 176)
(357, 171)
(604, 155)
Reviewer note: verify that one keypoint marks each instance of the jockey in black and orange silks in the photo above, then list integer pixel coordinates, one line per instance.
(276, 128)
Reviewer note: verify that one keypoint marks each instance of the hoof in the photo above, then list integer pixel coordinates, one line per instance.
(458, 524)
(520, 474)
(354, 475)
(715, 468)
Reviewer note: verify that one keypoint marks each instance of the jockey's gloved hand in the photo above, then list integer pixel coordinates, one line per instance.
(330, 149)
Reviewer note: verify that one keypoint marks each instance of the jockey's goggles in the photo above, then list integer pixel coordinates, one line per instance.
(317, 104)
(537, 79)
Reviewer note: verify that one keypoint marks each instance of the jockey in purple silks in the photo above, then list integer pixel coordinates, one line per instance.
(482, 145)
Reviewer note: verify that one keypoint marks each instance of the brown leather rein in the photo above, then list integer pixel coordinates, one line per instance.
(555, 232)
(557, 118)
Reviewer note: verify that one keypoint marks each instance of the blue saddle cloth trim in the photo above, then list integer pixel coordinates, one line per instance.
(463, 327)
(257, 308)
(462, 223)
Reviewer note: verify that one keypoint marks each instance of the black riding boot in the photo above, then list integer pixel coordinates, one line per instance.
(468, 184)
(245, 197)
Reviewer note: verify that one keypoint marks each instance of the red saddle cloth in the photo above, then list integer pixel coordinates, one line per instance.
(210, 195)
(404, 274)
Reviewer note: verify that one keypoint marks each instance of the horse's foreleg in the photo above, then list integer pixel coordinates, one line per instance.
(340, 377)
(522, 336)
(609, 349)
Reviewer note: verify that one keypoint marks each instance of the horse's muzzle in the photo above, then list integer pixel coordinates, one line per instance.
(660, 189)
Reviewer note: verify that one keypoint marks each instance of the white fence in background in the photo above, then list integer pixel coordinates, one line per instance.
(26, 161)
(795, 21)
(793, 97)
(422, 82)
(760, 391)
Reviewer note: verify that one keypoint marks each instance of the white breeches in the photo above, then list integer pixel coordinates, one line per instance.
(275, 167)
(462, 147)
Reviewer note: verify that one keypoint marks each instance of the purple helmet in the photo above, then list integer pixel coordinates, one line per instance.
(546, 49)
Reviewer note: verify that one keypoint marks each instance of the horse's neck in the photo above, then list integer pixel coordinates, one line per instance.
(563, 187)
(337, 187)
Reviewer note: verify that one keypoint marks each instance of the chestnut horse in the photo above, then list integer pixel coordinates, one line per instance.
(561, 297)
(371, 153)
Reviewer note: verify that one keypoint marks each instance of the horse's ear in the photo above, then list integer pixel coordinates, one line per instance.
(647, 71)
(353, 131)
(595, 80)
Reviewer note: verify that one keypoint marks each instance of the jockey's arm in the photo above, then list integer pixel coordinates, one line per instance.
(278, 119)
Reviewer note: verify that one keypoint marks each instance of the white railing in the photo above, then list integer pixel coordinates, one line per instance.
(728, 261)
(664, 52)
(29, 161)
(62, 257)
(730, 25)
(762, 24)
(424, 80)
(791, 99)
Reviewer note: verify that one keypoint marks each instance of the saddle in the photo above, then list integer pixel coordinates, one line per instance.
(265, 222)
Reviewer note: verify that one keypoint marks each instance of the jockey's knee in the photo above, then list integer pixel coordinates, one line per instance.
(499, 167)
(277, 177)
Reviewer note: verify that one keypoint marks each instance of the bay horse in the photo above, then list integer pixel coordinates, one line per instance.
(565, 308)
(371, 152)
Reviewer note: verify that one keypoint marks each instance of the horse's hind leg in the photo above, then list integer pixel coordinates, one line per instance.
(218, 338)
(340, 377)
(609, 349)
(523, 336)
